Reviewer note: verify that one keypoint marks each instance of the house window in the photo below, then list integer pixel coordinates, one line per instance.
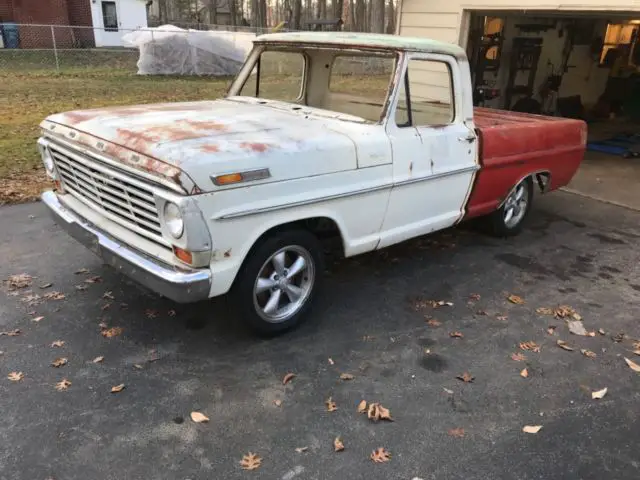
(617, 41)
(110, 16)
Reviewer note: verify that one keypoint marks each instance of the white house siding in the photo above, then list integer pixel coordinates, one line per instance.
(445, 20)
(132, 15)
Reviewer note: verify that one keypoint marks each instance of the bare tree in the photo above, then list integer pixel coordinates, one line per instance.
(391, 18)
(360, 17)
(377, 16)
(297, 12)
(213, 12)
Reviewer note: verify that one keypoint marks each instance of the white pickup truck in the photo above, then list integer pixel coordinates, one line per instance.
(370, 138)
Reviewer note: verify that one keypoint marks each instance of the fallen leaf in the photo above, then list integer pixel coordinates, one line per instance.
(12, 333)
(518, 357)
(587, 353)
(601, 331)
(82, 270)
(432, 322)
(301, 449)
(288, 377)
(150, 313)
(474, 297)
(137, 366)
(95, 279)
(599, 394)
(15, 376)
(524, 373)
(564, 345)
(465, 377)
(362, 406)
(59, 362)
(198, 417)
(565, 311)
(636, 345)
(37, 319)
(57, 343)
(346, 376)
(377, 412)
(103, 326)
(380, 455)
(450, 392)
(481, 312)
(456, 432)
(551, 329)
(618, 337)
(98, 359)
(637, 352)
(250, 461)
(545, 311)
(331, 405)
(330, 360)
(456, 335)
(108, 295)
(530, 346)
(106, 306)
(81, 287)
(577, 328)
(54, 296)
(502, 318)
(277, 402)
(338, 446)
(515, 299)
(19, 281)
(531, 428)
(117, 388)
(591, 334)
(111, 332)
(46, 285)
(632, 365)
(62, 385)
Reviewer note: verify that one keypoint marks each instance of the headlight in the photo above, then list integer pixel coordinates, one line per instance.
(173, 219)
(47, 160)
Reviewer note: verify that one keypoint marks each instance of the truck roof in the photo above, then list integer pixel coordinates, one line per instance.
(366, 40)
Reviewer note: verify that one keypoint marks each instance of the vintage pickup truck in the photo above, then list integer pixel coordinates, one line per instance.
(372, 139)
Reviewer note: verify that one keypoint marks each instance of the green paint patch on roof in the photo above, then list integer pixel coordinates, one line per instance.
(368, 40)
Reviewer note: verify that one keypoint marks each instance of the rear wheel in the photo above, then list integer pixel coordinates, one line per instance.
(279, 280)
(509, 219)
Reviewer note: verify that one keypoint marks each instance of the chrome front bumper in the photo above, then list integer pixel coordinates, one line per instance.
(183, 286)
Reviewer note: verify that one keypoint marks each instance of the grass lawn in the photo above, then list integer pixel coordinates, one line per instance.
(27, 97)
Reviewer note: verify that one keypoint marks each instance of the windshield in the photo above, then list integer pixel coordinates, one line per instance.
(348, 82)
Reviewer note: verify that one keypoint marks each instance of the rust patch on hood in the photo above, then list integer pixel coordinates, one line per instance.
(256, 147)
(210, 148)
(206, 125)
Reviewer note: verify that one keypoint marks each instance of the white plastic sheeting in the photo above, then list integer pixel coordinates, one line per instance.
(169, 50)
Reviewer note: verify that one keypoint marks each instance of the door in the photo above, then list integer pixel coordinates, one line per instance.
(434, 151)
(109, 12)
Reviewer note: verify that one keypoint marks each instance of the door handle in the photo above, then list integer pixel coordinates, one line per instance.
(468, 139)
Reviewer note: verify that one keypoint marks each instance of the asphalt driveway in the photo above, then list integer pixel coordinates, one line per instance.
(371, 323)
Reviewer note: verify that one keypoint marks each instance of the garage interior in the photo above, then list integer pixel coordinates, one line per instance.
(576, 65)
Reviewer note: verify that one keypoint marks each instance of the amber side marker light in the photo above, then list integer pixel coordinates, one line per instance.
(229, 178)
(237, 177)
(183, 255)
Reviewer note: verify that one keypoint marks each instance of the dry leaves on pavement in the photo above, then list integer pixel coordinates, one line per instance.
(62, 385)
(117, 388)
(81, 271)
(544, 311)
(362, 406)
(277, 402)
(564, 345)
(81, 287)
(376, 412)
(632, 365)
(456, 334)
(456, 432)
(250, 461)
(15, 376)
(19, 281)
(331, 405)
(518, 357)
(95, 279)
(59, 362)
(502, 318)
(565, 311)
(288, 377)
(380, 455)
(108, 295)
(618, 337)
(338, 446)
(57, 343)
(577, 328)
(515, 299)
(330, 360)
(111, 332)
(198, 417)
(432, 322)
(551, 329)
(599, 394)
(346, 376)
(524, 373)
(54, 296)
(150, 313)
(98, 359)
(588, 353)
(530, 346)
(46, 285)
(466, 377)
(12, 333)
(531, 428)
(301, 449)
(475, 297)
(37, 319)
(601, 331)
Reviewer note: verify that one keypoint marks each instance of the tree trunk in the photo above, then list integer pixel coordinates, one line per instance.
(263, 13)
(297, 13)
(338, 7)
(255, 13)
(360, 16)
(377, 16)
(213, 12)
(233, 19)
(391, 18)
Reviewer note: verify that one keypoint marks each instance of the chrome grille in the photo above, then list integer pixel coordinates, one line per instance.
(119, 198)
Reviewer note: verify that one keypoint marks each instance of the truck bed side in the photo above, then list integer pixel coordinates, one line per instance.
(514, 145)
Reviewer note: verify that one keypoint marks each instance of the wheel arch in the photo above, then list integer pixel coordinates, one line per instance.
(541, 178)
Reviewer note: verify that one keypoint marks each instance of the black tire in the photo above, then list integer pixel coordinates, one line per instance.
(248, 304)
(496, 222)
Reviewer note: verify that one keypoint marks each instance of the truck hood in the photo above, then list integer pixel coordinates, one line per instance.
(209, 138)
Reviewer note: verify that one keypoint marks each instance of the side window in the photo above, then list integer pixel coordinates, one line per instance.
(426, 95)
(281, 76)
(110, 16)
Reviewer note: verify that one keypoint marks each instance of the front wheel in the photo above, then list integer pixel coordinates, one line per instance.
(509, 219)
(279, 280)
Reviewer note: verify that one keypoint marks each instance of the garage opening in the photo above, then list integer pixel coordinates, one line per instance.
(573, 64)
